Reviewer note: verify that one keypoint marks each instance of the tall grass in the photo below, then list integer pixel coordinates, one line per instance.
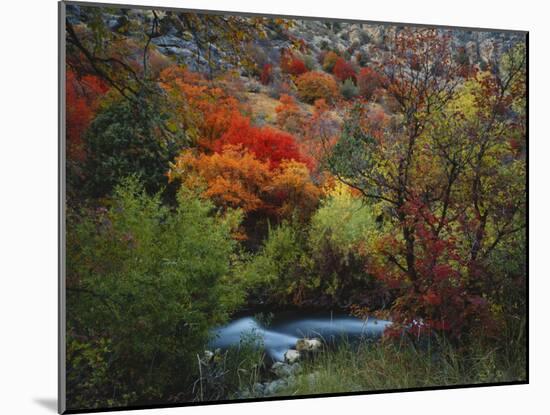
(231, 371)
(362, 366)
(397, 365)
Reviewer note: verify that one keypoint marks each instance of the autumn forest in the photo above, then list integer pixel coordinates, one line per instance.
(223, 166)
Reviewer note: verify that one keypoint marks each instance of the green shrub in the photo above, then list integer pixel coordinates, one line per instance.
(324, 264)
(271, 271)
(127, 138)
(310, 62)
(341, 232)
(147, 284)
(349, 90)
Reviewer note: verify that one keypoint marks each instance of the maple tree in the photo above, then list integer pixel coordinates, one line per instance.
(201, 109)
(82, 100)
(235, 178)
(294, 190)
(266, 143)
(232, 178)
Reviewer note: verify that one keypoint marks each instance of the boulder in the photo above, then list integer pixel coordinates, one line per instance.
(274, 387)
(292, 356)
(208, 356)
(308, 345)
(284, 370)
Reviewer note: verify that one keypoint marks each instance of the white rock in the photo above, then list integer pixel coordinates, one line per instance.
(308, 345)
(292, 356)
(208, 355)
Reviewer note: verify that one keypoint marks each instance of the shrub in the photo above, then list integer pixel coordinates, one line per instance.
(124, 139)
(267, 74)
(361, 58)
(368, 82)
(291, 64)
(82, 101)
(232, 178)
(339, 240)
(266, 143)
(317, 85)
(235, 178)
(329, 60)
(274, 268)
(144, 287)
(197, 107)
(345, 221)
(310, 62)
(296, 194)
(344, 70)
(349, 90)
(289, 115)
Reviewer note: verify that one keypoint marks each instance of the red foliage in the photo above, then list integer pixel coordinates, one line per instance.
(438, 295)
(369, 81)
(267, 74)
(291, 64)
(82, 94)
(344, 70)
(266, 143)
(202, 108)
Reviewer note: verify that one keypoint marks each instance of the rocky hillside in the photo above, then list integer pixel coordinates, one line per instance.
(361, 43)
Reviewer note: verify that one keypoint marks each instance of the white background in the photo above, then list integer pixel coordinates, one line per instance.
(28, 204)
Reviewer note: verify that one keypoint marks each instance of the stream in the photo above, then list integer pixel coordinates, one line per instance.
(284, 329)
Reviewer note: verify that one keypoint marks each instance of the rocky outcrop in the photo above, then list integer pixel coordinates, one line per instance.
(372, 41)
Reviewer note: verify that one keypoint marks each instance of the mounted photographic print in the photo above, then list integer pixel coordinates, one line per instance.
(259, 207)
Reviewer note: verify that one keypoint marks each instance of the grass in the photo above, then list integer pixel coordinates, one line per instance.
(383, 366)
(369, 366)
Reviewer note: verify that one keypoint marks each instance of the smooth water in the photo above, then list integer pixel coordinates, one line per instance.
(283, 331)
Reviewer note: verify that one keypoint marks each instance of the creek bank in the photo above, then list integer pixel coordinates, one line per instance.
(288, 340)
(286, 371)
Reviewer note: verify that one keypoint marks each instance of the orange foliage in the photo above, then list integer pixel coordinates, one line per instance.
(329, 60)
(289, 115)
(317, 85)
(204, 111)
(82, 97)
(296, 192)
(235, 178)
